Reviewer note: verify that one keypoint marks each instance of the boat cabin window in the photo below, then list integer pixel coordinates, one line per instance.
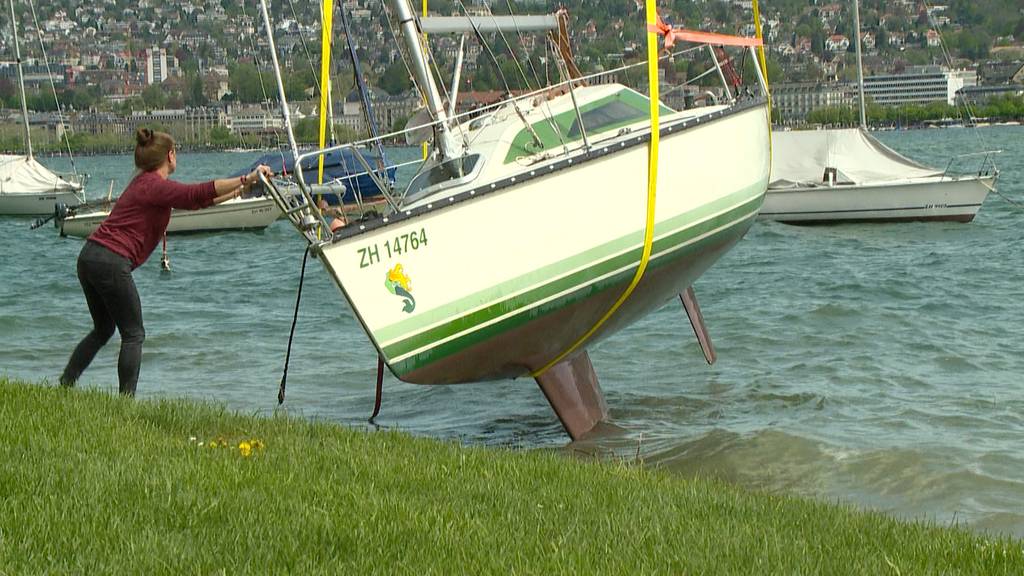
(445, 175)
(611, 114)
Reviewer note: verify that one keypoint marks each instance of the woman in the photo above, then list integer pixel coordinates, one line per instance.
(125, 240)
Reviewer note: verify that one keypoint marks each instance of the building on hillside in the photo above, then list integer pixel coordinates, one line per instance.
(253, 119)
(35, 75)
(390, 111)
(794, 101)
(156, 65)
(184, 123)
(97, 123)
(919, 85)
(1001, 72)
(978, 95)
(837, 43)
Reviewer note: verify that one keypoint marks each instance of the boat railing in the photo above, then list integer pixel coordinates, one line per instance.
(300, 209)
(961, 165)
(305, 213)
(490, 109)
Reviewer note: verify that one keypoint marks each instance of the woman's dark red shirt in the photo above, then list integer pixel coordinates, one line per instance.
(139, 219)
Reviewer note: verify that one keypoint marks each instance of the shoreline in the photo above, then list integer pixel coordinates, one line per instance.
(99, 483)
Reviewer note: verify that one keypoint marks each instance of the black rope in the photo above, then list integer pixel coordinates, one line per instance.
(380, 389)
(291, 335)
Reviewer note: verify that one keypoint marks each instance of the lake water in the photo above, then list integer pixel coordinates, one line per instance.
(881, 365)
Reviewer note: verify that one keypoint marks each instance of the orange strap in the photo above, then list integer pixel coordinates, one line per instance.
(672, 34)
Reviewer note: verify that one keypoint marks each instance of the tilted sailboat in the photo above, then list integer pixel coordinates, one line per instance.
(543, 224)
(26, 186)
(846, 175)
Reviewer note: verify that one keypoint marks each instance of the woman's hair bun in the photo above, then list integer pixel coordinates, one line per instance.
(143, 136)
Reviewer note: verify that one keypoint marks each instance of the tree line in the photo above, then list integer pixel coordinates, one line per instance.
(999, 108)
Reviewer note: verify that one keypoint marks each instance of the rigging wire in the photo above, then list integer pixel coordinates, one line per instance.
(501, 76)
(949, 62)
(53, 89)
(519, 33)
(302, 40)
(401, 51)
(511, 51)
(967, 106)
(443, 85)
(545, 110)
(278, 143)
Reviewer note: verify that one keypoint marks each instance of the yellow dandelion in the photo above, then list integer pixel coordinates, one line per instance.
(245, 449)
(213, 443)
(256, 444)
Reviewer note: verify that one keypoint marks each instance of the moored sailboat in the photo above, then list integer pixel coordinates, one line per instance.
(236, 214)
(466, 280)
(26, 186)
(847, 175)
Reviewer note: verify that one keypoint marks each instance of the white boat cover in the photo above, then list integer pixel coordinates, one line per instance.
(800, 158)
(23, 175)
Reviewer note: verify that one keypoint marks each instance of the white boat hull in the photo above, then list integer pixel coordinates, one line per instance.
(244, 214)
(498, 288)
(934, 198)
(35, 203)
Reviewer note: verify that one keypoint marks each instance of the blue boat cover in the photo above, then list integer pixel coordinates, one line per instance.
(338, 165)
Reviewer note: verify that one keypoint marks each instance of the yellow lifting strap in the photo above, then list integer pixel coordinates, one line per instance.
(764, 70)
(327, 16)
(652, 186)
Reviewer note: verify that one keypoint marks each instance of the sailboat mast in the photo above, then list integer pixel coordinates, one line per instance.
(407, 22)
(21, 83)
(860, 64)
(280, 84)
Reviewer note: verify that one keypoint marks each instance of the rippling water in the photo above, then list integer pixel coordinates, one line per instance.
(874, 364)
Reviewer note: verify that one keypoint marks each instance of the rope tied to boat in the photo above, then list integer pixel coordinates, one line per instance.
(291, 334)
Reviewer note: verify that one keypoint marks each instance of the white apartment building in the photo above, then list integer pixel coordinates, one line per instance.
(919, 85)
(253, 119)
(156, 65)
(795, 100)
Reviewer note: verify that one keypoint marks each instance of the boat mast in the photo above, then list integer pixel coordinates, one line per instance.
(21, 83)
(280, 84)
(407, 22)
(860, 64)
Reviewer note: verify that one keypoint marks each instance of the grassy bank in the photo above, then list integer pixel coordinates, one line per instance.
(91, 483)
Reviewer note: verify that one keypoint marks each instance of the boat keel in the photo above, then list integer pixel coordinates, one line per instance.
(700, 330)
(572, 389)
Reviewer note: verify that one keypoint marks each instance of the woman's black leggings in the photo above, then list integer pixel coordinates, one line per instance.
(106, 279)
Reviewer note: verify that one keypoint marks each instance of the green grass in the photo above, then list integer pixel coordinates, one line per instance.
(95, 484)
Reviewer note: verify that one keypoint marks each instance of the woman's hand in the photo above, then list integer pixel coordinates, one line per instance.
(254, 176)
(227, 188)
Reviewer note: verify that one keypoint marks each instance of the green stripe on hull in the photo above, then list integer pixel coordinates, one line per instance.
(579, 285)
(445, 312)
(460, 343)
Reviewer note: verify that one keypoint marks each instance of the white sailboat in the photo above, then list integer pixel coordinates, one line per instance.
(532, 230)
(235, 214)
(26, 186)
(847, 175)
